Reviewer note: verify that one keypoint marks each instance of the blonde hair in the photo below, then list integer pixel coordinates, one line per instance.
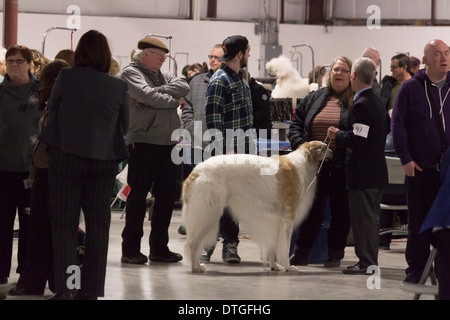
(346, 98)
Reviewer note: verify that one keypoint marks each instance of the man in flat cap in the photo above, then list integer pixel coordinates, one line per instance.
(154, 98)
(229, 106)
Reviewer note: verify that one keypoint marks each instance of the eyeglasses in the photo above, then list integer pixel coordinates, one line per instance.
(17, 61)
(394, 67)
(213, 57)
(337, 70)
(160, 55)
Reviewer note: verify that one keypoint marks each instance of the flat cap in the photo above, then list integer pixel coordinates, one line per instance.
(151, 42)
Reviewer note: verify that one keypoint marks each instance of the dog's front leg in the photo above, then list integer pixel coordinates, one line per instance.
(199, 268)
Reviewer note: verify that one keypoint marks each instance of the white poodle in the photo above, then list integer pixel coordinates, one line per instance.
(289, 82)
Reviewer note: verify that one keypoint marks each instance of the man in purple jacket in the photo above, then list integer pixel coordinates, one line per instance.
(420, 116)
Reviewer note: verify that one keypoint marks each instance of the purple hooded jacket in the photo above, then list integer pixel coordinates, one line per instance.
(414, 132)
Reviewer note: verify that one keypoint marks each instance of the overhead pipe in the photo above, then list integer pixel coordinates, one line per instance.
(433, 12)
(211, 9)
(282, 11)
(10, 22)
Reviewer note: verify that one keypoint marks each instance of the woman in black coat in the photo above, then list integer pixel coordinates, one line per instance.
(315, 113)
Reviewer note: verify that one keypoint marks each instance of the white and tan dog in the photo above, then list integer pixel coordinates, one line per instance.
(269, 205)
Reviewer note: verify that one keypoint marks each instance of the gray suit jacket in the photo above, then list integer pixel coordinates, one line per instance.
(89, 115)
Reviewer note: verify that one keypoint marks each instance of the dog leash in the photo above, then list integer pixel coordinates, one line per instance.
(323, 160)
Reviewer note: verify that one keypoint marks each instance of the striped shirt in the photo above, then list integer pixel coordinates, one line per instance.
(229, 106)
(328, 116)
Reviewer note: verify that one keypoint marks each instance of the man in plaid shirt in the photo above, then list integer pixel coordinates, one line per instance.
(228, 98)
(229, 107)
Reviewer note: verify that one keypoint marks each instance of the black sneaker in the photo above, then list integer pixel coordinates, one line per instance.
(137, 259)
(229, 253)
(167, 257)
(206, 255)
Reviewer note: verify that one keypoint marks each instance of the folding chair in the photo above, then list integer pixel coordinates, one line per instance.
(124, 190)
(396, 176)
(421, 287)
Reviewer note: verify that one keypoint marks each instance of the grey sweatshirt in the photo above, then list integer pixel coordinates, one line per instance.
(153, 104)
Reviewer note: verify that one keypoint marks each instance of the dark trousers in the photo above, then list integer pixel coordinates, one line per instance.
(150, 168)
(39, 266)
(330, 185)
(229, 229)
(79, 184)
(421, 192)
(442, 240)
(364, 215)
(14, 197)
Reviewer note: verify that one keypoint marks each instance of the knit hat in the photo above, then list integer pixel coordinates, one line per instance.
(151, 42)
(232, 45)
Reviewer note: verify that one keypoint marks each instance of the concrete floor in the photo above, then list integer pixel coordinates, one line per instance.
(249, 280)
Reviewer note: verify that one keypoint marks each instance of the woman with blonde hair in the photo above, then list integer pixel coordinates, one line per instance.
(328, 106)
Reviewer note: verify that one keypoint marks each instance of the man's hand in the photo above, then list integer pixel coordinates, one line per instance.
(182, 103)
(410, 168)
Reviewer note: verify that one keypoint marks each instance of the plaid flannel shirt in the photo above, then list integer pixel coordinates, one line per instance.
(229, 106)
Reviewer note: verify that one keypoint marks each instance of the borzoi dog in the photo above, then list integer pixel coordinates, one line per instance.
(269, 205)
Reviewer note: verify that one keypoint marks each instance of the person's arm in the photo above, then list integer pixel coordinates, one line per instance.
(176, 87)
(124, 113)
(400, 133)
(55, 96)
(214, 108)
(187, 117)
(297, 126)
(140, 90)
(357, 136)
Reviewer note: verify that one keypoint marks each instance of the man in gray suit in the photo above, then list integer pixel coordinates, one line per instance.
(154, 98)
